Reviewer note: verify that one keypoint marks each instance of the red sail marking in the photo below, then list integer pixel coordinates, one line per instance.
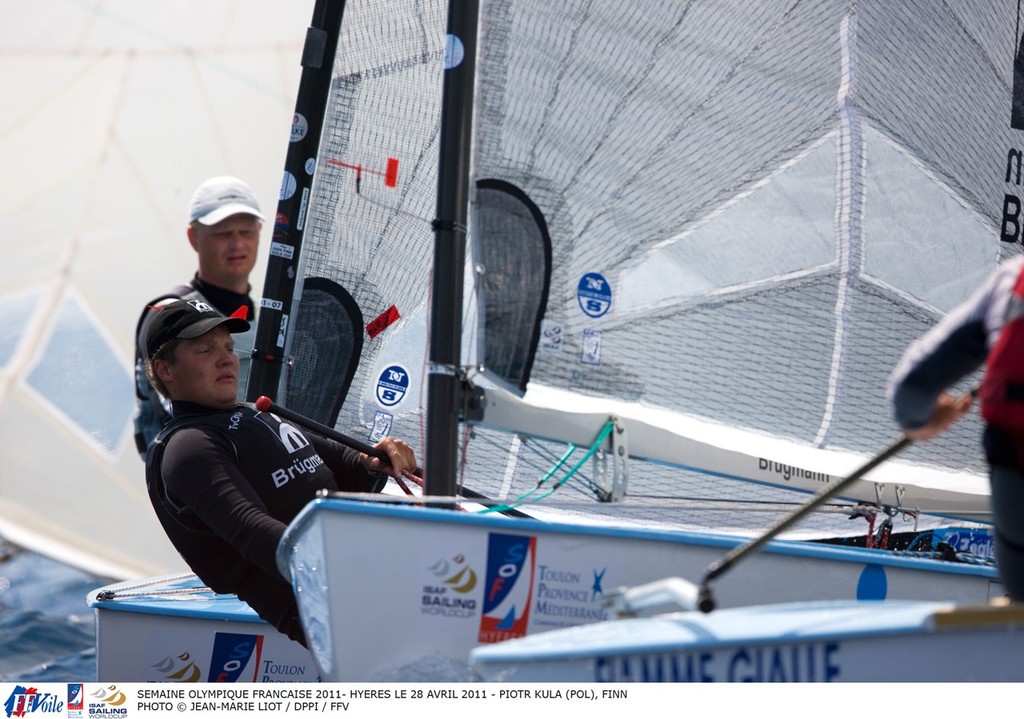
(390, 173)
(387, 318)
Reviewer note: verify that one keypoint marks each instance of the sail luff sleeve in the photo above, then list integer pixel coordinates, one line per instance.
(275, 313)
(444, 387)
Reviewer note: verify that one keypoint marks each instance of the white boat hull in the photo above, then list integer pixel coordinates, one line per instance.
(903, 641)
(444, 582)
(172, 629)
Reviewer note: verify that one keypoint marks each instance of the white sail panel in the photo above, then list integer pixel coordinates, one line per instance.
(368, 236)
(114, 113)
(786, 207)
(736, 213)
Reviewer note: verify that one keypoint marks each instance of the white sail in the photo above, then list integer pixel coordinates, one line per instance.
(702, 234)
(113, 113)
(770, 201)
(736, 215)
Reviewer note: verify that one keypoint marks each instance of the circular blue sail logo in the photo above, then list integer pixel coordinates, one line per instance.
(392, 385)
(454, 52)
(288, 186)
(594, 294)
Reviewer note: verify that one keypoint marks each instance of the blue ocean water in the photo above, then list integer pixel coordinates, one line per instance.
(47, 631)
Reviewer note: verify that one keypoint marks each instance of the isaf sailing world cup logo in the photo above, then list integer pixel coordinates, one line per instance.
(107, 702)
(451, 596)
(179, 669)
(456, 574)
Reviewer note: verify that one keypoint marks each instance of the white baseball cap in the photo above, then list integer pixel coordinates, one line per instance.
(221, 197)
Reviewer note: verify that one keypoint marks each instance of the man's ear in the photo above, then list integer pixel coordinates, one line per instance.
(162, 369)
(192, 237)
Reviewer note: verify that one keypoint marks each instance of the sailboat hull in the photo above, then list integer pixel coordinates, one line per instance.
(902, 641)
(173, 629)
(444, 582)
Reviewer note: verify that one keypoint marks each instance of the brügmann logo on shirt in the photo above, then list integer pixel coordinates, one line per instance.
(300, 465)
(294, 441)
(291, 438)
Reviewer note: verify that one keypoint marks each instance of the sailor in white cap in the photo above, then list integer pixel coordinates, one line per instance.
(224, 225)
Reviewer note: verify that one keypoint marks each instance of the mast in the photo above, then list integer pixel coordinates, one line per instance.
(289, 225)
(444, 386)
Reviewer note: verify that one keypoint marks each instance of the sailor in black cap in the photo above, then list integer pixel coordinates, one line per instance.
(225, 479)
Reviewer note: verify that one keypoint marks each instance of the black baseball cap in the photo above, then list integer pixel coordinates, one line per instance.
(188, 319)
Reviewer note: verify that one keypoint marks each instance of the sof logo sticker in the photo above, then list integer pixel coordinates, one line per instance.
(392, 385)
(232, 653)
(76, 698)
(594, 294)
(508, 587)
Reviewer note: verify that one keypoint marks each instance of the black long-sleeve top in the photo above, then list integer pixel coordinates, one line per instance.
(226, 483)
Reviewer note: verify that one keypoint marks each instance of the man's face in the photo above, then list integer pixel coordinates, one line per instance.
(227, 250)
(205, 370)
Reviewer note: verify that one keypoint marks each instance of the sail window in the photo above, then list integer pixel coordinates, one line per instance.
(327, 343)
(512, 245)
(80, 376)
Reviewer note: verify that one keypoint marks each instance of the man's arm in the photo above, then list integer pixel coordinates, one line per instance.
(349, 472)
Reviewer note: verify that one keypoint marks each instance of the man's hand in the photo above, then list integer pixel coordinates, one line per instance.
(948, 410)
(401, 456)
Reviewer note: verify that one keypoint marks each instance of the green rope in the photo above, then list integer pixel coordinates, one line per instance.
(521, 499)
